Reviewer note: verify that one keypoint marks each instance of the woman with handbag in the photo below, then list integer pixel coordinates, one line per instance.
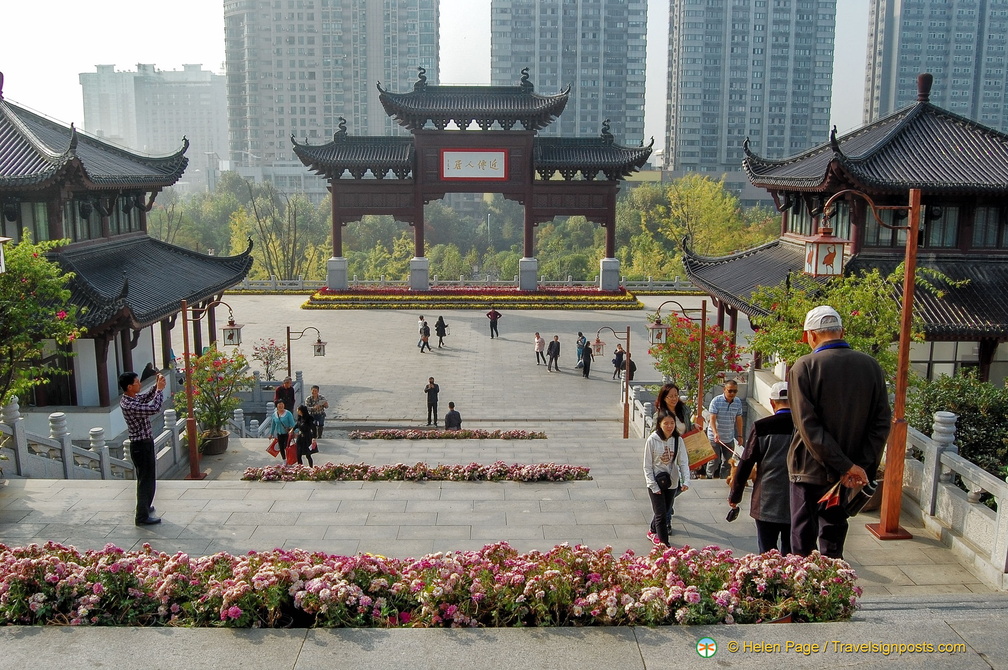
(440, 329)
(282, 422)
(666, 473)
(304, 435)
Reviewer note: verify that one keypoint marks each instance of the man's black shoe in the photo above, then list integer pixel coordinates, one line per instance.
(149, 521)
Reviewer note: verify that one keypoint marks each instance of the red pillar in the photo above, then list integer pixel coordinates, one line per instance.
(337, 224)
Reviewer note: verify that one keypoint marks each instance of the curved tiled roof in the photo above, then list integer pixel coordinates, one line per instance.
(144, 279)
(587, 155)
(921, 146)
(358, 155)
(506, 106)
(979, 309)
(35, 150)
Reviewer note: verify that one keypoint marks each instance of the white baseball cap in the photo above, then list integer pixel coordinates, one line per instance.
(821, 318)
(779, 391)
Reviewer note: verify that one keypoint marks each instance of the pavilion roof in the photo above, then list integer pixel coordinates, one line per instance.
(358, 155)
(921, 146)
(587, 155)
(36, 152)
(505, 106)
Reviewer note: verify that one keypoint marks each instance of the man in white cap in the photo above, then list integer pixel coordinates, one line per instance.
(766, 449)
(841, 414)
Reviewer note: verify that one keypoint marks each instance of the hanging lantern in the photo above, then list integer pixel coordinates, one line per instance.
(232, 333)
(824, 254)
(657, 331)
(598, 346)
(318, 349)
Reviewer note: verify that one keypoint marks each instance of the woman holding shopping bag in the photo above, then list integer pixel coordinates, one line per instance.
(304, 432)
(281, 423)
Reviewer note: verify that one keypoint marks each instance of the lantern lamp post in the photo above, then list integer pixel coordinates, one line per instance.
(658, 333)
(318, 347)
(232, 335)
(626, 374)
(888, 527)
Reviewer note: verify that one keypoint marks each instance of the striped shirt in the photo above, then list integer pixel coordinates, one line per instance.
(137, 411)
(726, 413)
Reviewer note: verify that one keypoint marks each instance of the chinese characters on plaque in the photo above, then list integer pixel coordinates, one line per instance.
(474, 165)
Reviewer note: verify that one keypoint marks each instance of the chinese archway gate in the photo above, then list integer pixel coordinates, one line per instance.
(397, 176)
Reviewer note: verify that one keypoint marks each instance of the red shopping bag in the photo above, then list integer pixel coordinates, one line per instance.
(272, 448)
(291, 453)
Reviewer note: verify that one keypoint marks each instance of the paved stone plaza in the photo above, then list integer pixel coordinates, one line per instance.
(373, 376)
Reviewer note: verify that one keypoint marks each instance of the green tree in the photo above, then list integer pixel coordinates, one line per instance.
(34, 309)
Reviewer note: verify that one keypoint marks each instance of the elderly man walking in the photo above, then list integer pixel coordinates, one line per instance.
(841, 414)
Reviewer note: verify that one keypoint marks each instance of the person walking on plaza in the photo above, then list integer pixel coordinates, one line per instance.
(424, 337)
(553, 353)
(420, 325)
(432, 391)
(539, 344)
(494, 316)
(137, 410)
(441, 330)
(580, 344)
(452, 420)
(724, 427)
(317, 405)
(285, 393)
(766, 449)
(304, 433)
(666, 473)
(281, 423)
(841, 414)
(617, 360)
(587, 356)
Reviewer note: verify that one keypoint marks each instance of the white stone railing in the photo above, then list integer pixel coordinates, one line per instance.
(974, 532)
(310, 285)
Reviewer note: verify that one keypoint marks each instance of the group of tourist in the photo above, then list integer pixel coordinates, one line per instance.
(452, 420)
(296, 434)
(829, 425)
(584, 354)
(440, 329)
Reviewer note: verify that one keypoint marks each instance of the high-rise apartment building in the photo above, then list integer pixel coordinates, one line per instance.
(150, 110)
(595, 46)
(757, 69)
(296, 66)
(961, 42)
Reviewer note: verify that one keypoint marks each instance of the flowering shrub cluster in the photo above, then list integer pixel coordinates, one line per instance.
(417, 434)
(216, 378)
(271, 355)
(474, 472)
(495, 586)
(679, 355)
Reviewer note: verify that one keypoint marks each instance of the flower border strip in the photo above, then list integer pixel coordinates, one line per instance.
(420, 472)
(495, 586)
(421, 434)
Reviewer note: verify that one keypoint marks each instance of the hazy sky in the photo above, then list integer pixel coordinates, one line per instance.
(47, 43)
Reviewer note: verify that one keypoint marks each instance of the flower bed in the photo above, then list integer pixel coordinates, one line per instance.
(420, 434)
(474, 472)
(473, 297)
(495, 586)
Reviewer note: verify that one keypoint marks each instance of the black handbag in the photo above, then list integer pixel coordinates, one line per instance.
(664, 481)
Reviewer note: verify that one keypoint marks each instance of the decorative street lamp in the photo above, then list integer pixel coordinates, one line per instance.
(3, 261)
(318, 347)
(626, 375)
(598, 346)
(234, 331)
(888, 527)
(658, 333)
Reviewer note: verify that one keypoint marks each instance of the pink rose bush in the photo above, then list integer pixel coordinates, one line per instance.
(422, 434)
(495, 586)
(473, 472)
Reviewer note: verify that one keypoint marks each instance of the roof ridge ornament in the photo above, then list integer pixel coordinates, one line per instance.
(1, 85)
(341, 134)
(525, 84)
(924, 81)
(607, 136)
(421, 82)
(72, 149)
(833, 141)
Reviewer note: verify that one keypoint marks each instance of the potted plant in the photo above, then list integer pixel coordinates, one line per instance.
(217, 379)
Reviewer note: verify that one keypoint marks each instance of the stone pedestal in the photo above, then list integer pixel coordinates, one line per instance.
(419, 274)
(609, 274)
(336, 274)
(528, 274)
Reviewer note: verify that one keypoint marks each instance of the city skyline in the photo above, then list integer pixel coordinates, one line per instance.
(120, 33)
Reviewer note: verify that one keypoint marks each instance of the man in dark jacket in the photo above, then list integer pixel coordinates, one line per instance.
(766, 449)
(285, 394)
(553, 354)
(841, 415)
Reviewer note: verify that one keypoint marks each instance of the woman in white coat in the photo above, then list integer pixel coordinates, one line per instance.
(666, 472)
